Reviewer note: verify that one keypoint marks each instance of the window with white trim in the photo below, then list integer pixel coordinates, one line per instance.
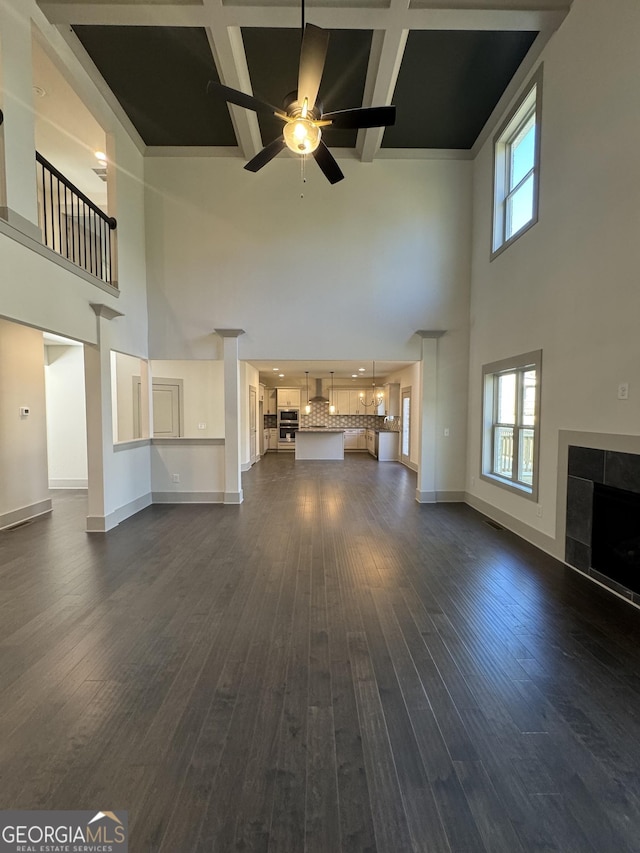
(516, 169)
(511, 415)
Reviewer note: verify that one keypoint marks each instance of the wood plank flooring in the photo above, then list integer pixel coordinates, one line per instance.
(328, 667)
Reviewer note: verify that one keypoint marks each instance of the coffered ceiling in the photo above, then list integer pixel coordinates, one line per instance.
(447, 65)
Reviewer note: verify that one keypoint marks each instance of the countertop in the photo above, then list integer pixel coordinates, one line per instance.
(320, 429)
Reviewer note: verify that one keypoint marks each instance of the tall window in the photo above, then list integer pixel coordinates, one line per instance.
(511, 422)
(516, 169)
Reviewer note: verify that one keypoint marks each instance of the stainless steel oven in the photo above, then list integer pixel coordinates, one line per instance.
(288, 423)
(287, 434)
(288, 417)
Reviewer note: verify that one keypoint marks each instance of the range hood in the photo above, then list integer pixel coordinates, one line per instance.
(319, 398)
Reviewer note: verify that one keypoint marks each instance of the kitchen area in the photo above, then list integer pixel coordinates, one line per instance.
(318, 420)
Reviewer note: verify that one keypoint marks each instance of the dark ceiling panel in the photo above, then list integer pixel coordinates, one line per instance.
(449, 83)
(272, 58)
(159, 75)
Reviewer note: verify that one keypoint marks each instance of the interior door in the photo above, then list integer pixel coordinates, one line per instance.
(405, 447)
(252, 424)
(166, 410)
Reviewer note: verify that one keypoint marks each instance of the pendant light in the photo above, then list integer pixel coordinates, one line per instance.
(307, 408)
(332, 408)
(376, 399)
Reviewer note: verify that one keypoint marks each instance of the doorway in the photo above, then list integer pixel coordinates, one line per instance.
(167, 408)
(405, 435)
(253, 413)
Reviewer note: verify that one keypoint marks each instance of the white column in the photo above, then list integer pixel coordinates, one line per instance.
(426, 489)
(232, 472)
(18, 130)
(97, 370)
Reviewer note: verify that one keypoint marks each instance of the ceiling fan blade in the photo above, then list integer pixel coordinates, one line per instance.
(312, 56)
(266, 155)
(365, 117)
(325, 159)
(233, 96)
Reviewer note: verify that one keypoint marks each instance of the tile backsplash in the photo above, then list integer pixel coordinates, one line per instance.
(320, 416)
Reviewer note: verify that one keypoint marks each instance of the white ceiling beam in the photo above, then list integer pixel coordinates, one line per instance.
(502, 15)
(387, 50)
(230, 58)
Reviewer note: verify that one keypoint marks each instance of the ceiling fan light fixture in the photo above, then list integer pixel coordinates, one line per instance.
(302, 136)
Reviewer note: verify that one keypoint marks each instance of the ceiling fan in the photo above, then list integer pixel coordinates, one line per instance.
(302, 111)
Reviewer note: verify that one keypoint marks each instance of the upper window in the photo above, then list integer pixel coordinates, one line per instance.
(516, 169)
(511, 422)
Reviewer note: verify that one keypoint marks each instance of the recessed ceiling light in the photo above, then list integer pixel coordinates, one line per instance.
(275, 369)
(101, 156)
(354, 375)
(281, 375)
(361, 369)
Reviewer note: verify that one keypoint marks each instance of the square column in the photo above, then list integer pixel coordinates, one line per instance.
(232, 468)
(426, 488)
(97, 368)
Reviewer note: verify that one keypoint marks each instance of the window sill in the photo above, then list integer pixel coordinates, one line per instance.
(515, 488)
(513, 238)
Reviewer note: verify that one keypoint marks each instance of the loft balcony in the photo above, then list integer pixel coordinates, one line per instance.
(72, 225)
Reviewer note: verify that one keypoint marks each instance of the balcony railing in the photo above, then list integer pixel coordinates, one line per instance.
(72, 225)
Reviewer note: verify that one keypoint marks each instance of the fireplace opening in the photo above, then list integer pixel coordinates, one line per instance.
(615, 539)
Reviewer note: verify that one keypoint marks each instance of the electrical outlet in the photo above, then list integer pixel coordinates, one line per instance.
(202, 426)
(539, 510)
(175, 478)
(623, 391)
(446, 432)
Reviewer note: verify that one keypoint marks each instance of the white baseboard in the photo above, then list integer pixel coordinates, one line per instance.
(24, 513)
(103, 523)
(68, 484)
(188, 497)
(524, 531)
(233, 497)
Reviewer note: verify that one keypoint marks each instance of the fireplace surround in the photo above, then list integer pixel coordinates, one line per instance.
(615, 477)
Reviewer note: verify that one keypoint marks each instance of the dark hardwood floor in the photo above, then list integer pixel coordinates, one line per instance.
(327, 667)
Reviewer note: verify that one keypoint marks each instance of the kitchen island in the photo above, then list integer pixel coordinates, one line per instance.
(320, 443)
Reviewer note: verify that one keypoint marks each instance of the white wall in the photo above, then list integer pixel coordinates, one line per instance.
(23, 439)
(347, 272)
(203, 394)
(570, 284)
(39, 293)
(66, 416)
(199, 465)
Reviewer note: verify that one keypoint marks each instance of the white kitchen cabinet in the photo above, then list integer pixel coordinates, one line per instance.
(355, 439)
(383, 444)
(392, 399)
(266, 440)
(388, 446)
(341, 402)
(269, 406)
(288, 398)
(273, 439)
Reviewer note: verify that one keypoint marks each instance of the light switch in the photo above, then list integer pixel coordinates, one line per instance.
(202, 426)
(623, 391)
(25, 411)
